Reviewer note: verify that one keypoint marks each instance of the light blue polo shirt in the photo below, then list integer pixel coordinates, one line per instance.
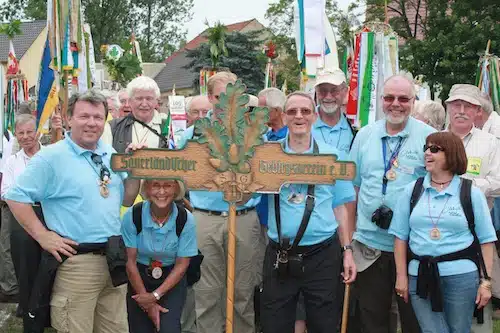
(322, 224)
(63, 178)
(213, 201)
(366, 152)
(161, 244)
(339, 136)
(455, 232)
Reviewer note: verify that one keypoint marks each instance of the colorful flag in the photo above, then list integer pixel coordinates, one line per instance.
(48, 98)
(12, 63)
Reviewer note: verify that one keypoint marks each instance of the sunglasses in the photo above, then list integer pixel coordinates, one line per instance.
(104, 172)
(401, 99)
(293, 112)
(434, 149)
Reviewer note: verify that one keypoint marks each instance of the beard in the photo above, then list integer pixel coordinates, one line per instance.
(395, 120)
(330, 109)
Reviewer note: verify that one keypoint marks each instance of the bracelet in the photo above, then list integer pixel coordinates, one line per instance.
(486, 284)
(347, 247)
(156, 295)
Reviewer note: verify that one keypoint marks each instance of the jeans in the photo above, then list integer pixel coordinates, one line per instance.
(459, 296)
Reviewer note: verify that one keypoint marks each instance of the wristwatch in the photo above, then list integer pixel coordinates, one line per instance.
(156, 295)
(347, 247)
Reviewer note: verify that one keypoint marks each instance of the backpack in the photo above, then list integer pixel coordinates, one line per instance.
(466, 203)
(193, 273)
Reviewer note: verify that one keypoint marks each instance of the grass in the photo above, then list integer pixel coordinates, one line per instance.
(15, 325)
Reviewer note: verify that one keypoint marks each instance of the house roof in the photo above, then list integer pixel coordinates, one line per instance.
(30, 32)
(174, 71)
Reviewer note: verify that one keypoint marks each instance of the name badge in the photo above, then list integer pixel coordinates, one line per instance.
(406, 169)
(474, 166)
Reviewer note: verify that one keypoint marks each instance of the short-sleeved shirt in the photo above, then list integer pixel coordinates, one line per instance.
(64, 179)
(366, 152)
(454, 230)
(7, 146)
(213, 201)
(14, 166)
(160, 244)
(322, 224)
(339, 136)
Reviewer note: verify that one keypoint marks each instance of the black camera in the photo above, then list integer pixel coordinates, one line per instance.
(289, 265)
(382, 217)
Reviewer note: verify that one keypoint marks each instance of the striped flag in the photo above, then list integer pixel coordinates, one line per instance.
(48, 98)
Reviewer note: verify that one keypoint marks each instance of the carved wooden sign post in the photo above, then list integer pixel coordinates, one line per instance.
(230, 157)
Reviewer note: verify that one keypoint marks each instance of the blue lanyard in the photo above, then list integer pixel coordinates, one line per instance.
(388, 164)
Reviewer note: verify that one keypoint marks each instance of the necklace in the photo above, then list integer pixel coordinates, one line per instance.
(103, 179)
(441, 185)
(159, 220)
(144, 136)
(435, 233)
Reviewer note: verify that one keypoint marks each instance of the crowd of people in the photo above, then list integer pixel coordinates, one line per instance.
(413, 234)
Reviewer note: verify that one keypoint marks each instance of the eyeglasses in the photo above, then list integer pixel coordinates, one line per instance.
(198, 113)
(401, 99)
(157, 187)
(433, 148)
(104, 172)
(293, 112)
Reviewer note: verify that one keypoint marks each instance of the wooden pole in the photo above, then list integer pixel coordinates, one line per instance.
(231, 253)
(345, 310)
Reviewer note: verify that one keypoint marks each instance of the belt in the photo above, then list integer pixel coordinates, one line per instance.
(306, 250)
(225, 213)
(94, 248)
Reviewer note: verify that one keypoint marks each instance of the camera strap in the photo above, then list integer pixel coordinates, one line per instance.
(310, 202)
(388, 164)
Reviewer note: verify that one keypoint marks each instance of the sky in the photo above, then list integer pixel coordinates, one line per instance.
(231, 11)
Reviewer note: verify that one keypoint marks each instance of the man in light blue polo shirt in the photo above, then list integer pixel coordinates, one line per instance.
(81, 197)
(332, 126)
(211, 213)
(388, 156)
(307, 261)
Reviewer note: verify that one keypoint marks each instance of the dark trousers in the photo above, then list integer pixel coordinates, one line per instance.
(26, 254)
(173, 300)
(319, 286)
(372, 300)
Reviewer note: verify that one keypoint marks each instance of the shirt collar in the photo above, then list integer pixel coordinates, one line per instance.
(289, 150)
(403, 134)
(340, 125)
(23, 153)
(167, 227)
(100, 150)
(278, 135)
(452, 189)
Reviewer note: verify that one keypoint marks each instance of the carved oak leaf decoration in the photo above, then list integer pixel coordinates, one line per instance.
(215, 135)
(254, 131)
(233, 103)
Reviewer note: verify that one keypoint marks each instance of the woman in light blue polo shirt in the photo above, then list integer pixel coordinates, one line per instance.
(158, 258)
(444, 283)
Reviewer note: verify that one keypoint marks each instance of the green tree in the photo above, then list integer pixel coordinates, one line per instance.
(109, 22)
(159, 26)
(216, 36)
(454, 34)
(244, 58)
(23, 10)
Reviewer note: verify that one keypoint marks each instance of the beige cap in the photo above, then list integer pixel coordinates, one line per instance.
(337, 77)
(465, 92)
(253, 101)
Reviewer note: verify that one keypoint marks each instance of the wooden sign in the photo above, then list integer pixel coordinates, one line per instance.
(267, 171)
(230, 157)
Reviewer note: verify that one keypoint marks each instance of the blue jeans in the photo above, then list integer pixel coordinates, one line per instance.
(459, 296)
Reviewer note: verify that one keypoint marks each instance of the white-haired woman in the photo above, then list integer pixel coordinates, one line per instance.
(159, 252)
(430, 112)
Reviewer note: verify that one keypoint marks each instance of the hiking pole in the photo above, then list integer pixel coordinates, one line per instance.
(345, 310)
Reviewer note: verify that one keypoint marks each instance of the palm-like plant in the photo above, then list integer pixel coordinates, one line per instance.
(11, 29)
(216, 36)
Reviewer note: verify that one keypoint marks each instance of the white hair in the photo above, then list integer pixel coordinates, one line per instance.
(486, 103)
(433, 112)
(188, 102)
(24, 118)
(275, 98)
(143, 83)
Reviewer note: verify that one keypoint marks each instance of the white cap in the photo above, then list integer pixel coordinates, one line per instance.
(337, 77)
